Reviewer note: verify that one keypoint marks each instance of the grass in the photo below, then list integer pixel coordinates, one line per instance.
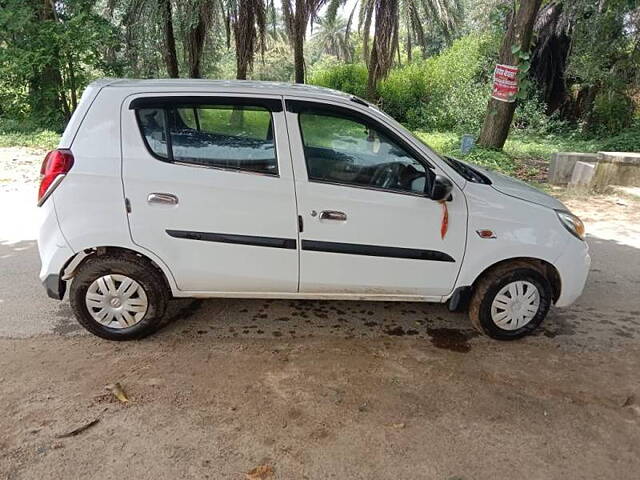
(523, 154)
(19, 134)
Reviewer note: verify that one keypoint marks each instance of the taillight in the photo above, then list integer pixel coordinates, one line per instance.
(55, 165)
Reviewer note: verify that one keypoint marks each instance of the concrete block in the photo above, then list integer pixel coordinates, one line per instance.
(562, 165)
(616, 168)
(582, 174)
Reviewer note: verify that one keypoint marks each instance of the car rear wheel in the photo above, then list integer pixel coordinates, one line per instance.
(118, 297)
(510, 301)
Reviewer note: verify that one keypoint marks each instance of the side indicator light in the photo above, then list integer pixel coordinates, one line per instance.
(486, 234)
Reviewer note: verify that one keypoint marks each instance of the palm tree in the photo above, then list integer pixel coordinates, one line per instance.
(170, 55)
(249, 24)
(297, 14)
(442, 14)
(332, 35)
(385, 39)
(200, 15)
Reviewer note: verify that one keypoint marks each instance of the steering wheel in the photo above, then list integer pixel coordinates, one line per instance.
(386, 175)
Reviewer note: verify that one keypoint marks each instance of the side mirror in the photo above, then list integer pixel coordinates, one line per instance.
(441, 188)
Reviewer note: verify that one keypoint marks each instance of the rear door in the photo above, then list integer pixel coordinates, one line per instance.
(369, 226)
(210, 187)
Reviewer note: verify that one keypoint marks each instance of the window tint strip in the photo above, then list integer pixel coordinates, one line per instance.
(274, 242)
(375, 251)
(272, 104)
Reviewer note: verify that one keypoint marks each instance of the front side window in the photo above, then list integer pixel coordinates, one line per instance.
(347, 151)
(222, 136)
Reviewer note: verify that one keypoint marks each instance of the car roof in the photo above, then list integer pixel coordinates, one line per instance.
(235, 86)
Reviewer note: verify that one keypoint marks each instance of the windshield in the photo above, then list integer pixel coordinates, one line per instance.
(468, 173)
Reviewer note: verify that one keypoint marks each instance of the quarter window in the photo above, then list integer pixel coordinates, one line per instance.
(348, 151)
(222, 136)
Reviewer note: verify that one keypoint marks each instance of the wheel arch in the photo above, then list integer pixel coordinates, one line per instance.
(76, 261)
(542, 266)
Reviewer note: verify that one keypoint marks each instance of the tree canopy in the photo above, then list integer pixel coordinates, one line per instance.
(579, 65)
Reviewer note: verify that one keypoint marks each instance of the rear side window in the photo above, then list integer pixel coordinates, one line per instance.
(238, 137)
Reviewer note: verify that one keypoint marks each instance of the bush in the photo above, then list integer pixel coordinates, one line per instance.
(627, 141)
(448, 91)
(350, 78)
(612, 112)
(530, 115)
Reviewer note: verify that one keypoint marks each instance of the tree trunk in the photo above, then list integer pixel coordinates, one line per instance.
(384, 41)
(241, 69)
(371, 80)
(300, 19)
(416, 26)
(396, 40)
(196, 36)
(366, 31)
(72, 85)
(500, 114)
(47, 98)
(298, 57)
(195, 45)
(170, 56)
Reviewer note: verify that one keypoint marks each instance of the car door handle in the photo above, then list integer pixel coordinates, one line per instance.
(333, 215)
(162, 199)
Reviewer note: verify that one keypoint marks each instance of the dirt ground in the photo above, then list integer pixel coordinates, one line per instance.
(341, 390)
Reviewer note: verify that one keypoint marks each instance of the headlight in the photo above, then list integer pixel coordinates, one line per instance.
(571, 223)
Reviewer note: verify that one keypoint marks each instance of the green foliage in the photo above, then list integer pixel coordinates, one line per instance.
(524, 65)
(48, 53)
(613, 111)
(530, 114)
(448, 143)
(627, 141)
(350, 78)
(521, 150)
(448, 91)
(23, 134)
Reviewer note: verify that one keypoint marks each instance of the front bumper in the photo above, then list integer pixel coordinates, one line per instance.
(573, 267)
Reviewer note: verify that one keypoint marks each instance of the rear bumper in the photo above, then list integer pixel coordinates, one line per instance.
(573, 267)
(54, 252)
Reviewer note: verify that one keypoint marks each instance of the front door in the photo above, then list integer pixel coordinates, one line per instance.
(368, 226)
(210, 188)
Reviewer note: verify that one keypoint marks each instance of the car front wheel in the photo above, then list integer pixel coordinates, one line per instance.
(510, 301)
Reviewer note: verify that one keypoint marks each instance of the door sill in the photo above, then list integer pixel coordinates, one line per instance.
(383, 297)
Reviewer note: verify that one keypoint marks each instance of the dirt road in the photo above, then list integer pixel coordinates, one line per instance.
(321, 390)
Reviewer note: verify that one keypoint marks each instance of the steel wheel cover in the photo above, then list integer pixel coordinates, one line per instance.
(515, 305)
(116, 301)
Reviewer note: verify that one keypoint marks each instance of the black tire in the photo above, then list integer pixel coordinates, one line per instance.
(488, 287)
(133, 267)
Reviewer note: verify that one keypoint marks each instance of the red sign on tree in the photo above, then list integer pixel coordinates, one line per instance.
(505, 83)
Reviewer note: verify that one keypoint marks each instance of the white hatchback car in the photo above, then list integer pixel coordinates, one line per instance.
(194, 188)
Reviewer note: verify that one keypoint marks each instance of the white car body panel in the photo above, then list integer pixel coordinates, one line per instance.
(375, 218)
(520, 190)
(522, 229)
(213, 200)
(87, 210)
(53, 248)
